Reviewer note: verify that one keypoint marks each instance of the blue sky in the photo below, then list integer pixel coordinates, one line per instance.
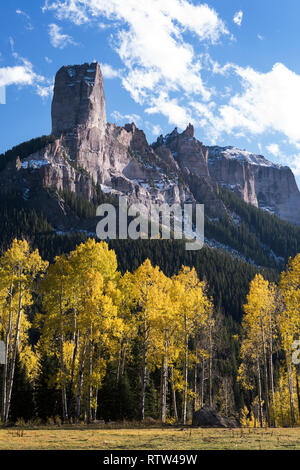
(231, 67)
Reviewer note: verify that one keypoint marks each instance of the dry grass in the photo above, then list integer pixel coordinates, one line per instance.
(117, 438)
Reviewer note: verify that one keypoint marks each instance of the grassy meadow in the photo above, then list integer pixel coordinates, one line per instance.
(150, 438)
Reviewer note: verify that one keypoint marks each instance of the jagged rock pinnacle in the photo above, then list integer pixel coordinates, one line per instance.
(190, 131)
(78, 99)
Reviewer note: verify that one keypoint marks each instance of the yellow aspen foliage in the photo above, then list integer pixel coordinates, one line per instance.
(282, 409)
(247, 419)
(19, 268)
(193, 309)
(149, 292)
(259, 325)
(289, 320)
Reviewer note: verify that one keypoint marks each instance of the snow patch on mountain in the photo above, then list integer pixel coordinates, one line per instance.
(241, 155)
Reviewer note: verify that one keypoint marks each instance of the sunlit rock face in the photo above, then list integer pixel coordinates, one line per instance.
(88, 153)
(258, 181)
(78, 99)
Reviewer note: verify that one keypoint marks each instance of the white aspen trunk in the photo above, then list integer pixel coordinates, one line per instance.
(143, 381)
(75, 342)
(75, 353)
(298, 390)
(186, 365)
(291, 390)
(14, 356)
(260, 409)
(174, 395)
(5, 368)
(202, 383)
(119, 363)
(63, 380)
(195, 389)
(94, 410)
(266, 376)
(281, 407)
(272, 379)
(90, 390)
(124, 358)
(62, 364)
(80, 380)
(210, 366)
(164, 388)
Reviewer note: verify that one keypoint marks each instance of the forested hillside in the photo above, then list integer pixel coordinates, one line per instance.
(25, 149)
(228, 276)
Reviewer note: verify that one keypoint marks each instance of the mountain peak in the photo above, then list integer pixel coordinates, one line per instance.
(78, 98)
(234, 153)
(189, 131)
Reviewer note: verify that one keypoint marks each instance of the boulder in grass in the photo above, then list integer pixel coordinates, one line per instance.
(210, 418)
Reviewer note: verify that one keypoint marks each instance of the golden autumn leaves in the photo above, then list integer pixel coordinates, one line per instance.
(19, 267)
(91, 316)
(271, 325)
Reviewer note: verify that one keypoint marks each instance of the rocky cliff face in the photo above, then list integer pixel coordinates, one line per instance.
(256, 180)
(191, 158)
(88, 153)
(78, 99)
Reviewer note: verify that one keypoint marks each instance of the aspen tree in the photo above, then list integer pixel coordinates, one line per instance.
(147, 290)
(165, 325)
(122, 297)
(192, 310)
(56, 289)
(94, 268)
(19, 267)
(82, 316)
(289, 322)
(256, 347)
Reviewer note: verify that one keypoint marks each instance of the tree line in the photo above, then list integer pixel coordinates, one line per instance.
(157, 342)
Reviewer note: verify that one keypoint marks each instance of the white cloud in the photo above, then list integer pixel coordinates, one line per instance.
(156, 129)
(274, 149)
(176, 114)
(260, 37)
(102, 25)
(44, 91)
(74, 10)
(125, 118)
(151, 42)
(109, 72)
(18, 75)
(23, 74)
(58, 39)
(292, 161)
(269, 102)
(295, 165)
(48, 60)
(238, 18)
(27, 17)
(20, 12)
